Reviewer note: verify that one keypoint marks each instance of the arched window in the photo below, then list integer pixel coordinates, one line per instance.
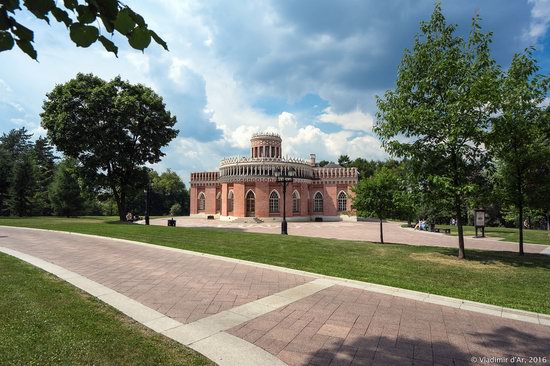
(295, 201)
(342, 201)
(230, 201)
(250, 204)
(202, 201)
(274, 202)
(318, 202)
(218, 202)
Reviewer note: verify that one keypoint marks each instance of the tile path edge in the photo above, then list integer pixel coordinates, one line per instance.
(482, 308)
(205, 335)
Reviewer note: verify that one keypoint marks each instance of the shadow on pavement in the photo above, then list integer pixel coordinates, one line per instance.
(504, 346)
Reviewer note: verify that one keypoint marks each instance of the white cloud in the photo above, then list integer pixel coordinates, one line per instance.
(4, 89)
(240, 136)
(540, 19)
(354, 120)
(302, 141)
(138, 60)
(224, 57)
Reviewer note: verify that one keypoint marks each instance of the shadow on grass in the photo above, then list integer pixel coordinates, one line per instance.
(117, 222)
(529, 260)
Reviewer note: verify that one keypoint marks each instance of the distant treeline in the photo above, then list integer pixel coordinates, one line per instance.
(34, 181)
(417, 201)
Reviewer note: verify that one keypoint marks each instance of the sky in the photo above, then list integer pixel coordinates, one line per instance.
(308, 69)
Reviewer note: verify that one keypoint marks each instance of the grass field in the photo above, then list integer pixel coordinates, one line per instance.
(507, 234)
(45, 321)
(497, 278)
(504, 233)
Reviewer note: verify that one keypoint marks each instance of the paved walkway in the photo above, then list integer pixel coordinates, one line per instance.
(369, 231)
(240, 313)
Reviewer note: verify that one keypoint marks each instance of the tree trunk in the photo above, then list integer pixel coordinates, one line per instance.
(122, 205)
(381, 233)
(461, 253)
(548, 222)
(458, 207)
(520, 210)
(120, 200)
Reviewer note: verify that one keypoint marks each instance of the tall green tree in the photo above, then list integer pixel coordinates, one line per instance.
(344, 160)
(112, 128)
(517, 137)
(64, 192)
(14, 145)
(377, 196)
(167, 189)
(82, 19)
(45, 168)
(23, 185)
(437, 115)
(17, 142)
(537, 183)
(5, 174)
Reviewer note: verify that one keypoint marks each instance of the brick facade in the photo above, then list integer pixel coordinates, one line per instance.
(255, 176)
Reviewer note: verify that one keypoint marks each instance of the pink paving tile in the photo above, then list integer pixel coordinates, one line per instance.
(183, 286)
(341, 330)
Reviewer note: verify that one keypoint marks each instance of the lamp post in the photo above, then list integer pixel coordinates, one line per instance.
(284, 179)
(146, 191)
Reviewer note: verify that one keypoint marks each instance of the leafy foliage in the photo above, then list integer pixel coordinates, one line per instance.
(45, 168)
(23, 186)
(111, 128)
(175, 209)
(65, 192)
(14, 146)
(377, 196)
(82, 18)
(446, 92)
(517, 139)
(344, 161)
(167, 190)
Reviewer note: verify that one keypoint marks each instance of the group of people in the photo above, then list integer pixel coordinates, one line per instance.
(421, 225)
(424, 226)
(131, 217)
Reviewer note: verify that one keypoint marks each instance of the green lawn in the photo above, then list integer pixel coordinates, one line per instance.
(45, 321)
(491, 277)
(507, 234)
(504, 233)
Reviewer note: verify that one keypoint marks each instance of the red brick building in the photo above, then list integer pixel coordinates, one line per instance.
(247, 187)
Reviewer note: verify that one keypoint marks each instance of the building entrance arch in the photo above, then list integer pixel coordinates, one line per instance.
(250, 203)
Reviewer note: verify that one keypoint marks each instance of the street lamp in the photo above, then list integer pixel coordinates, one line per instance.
(285, 179)
(147, 191)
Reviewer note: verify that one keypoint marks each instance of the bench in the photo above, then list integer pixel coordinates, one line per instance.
(172, 222)
(210, 217)
(438, 230)
(318, 219)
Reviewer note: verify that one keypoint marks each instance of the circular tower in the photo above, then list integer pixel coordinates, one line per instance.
(266, 145)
